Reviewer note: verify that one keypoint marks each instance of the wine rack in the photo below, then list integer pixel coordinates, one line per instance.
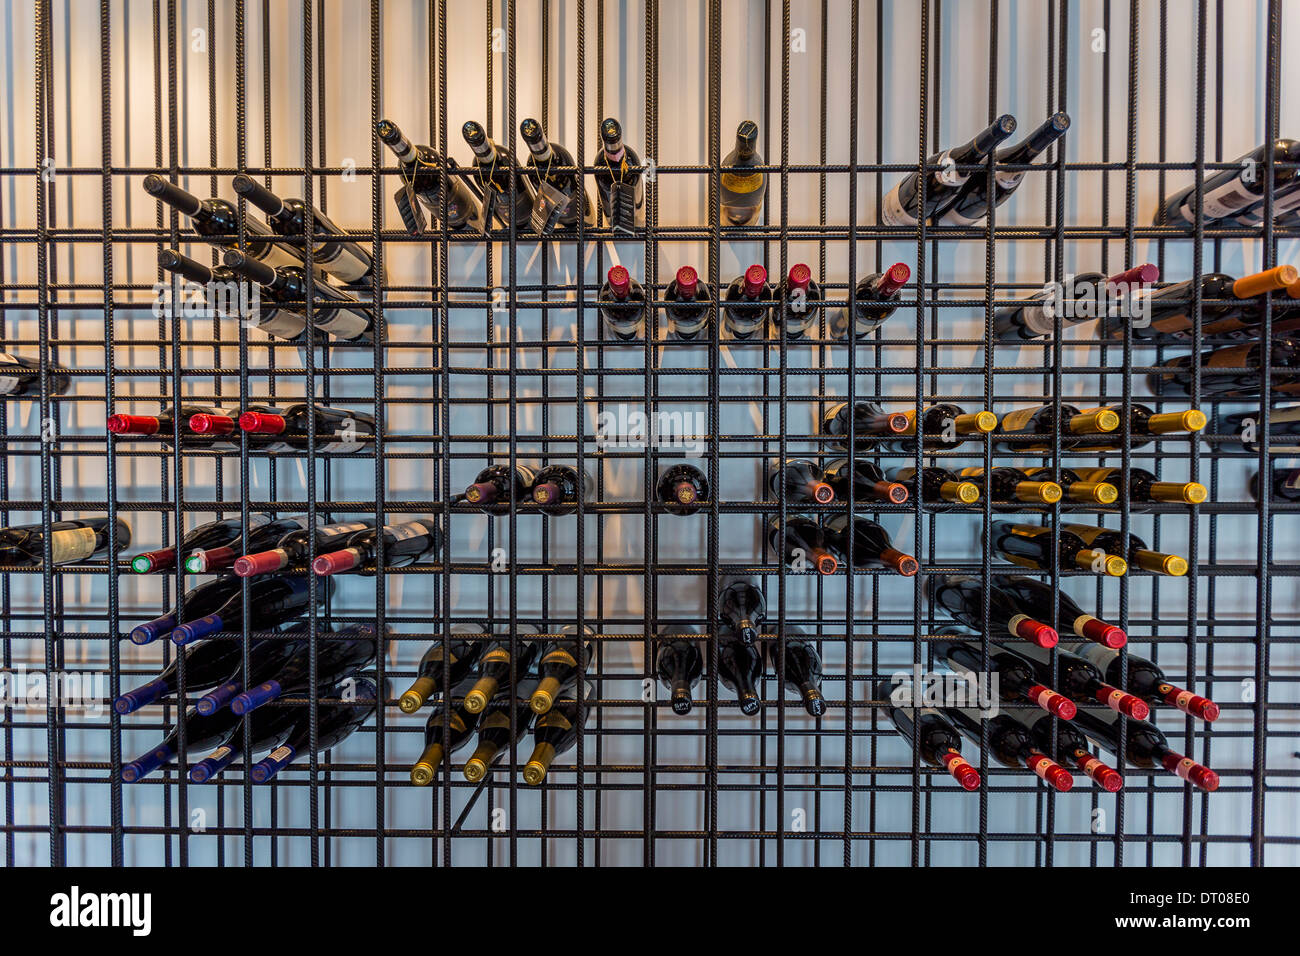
(494, 349)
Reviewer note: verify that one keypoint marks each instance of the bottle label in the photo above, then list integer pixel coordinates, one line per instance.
(1008, 181)
(72, 544)
(334, 530)
(280, 323)
(1234, 356)
(553, 718)
(1041, 765)
(347, 434)
(281, 753)
(742, 182)
(1091, 765)
(220, 753)
(948, 173)
(892, 211)
(496, 655)
(1112, 698)
(1184, 768)
(1226, 200)
(953, 218)
(409, 530)
(345, 323)
(9, 383)
(1182, 700)
(1016, 421)
(560, 657)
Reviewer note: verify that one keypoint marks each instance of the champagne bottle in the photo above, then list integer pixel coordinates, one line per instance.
(802, 481)
(339, 655)
(1094, 491)
(1144, 423)
(1011, 484)
(201, 733)
(742, 186)
(866, 483)
(443, 734)
(1148, 681)
(271, 600)
(678, 666)
(1143, 486)
(747, 303)
(1081, 681)
(805, 545)
(494, 737)
(1042, 601)
(294, 546)
(937, 485)
(743, 608)
(560, 196)
(1071, 748)
(1016, 678)
(623, 304)
(334, 724)
(619, 181)
(559, 666)
(332, 250)
(554, 733)
(1011, 745)
(495, 665)
(874, 300)
(740, 666)
(425, 177)
(963, 598)
(682, 489)
(1041, 420)
(499, 177)
(71, 540)
(872, 546)
(801, 668)
(1145, 746)
(557, 489)
(687, 307)
(931, 734)
(902, 205)
(403, 544)
(1030, 546)
(449, 665)
(1134, 551)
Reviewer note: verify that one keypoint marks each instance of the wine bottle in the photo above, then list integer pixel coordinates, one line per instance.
(619, 181)
(1284, 357)
(1038, 420)
(938, 485)
(1011, 745)
(682, 489)
(1144, 423)
(902, 205)
(805, 544)
(747, 303)
(204, 599)
(338, 430)
(1145, 746)
(1042, 600)
(21, 377)
(869, 421)
(217, 221)
(425, 177)
(1283, 484)
(404, 543)
(495, 666)
(1079, 680)
(872, 547)
(866, 482)
(445, 665)
(335, 722)
(1073, 486)
(494, 737)
(222, 291)
(1147, 680)
(335, 311)
(272, 600)
(1227, 192)
(803, 481)
(1285, 202)
(261, 534)
(210, 534)
(1143, 486)
(71, 540)
(687, 306)
(499, 178)
(1011, 484)
(554, 733)
(678, 666)
(557, 489)
(963, 598)
(1071, 748)
(339, 655)
(491, 489)
(800, 301)
(740, 666)
(162, 426)
(1110, 541)
(944, 425)
(1016, 678)
(1030, 546)
(207, 665)
(270, 728)
(561, 197)
(201, 733)
(874, 300)
(974, 200)
(742, 186)
(265, 658)
(332, 250)
(743, 608)
(444, 733)
(1229, 307)
(623, 304)
(295, 546)
(931, 734)
(801, 668)
(1283, 429)
(558, 668)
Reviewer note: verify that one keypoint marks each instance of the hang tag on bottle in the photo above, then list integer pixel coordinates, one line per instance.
(491, 203)
(477, 219)
(548, 205)
(409, 208)
(622, 212)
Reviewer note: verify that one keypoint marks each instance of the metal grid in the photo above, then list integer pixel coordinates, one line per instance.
(836, 770)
